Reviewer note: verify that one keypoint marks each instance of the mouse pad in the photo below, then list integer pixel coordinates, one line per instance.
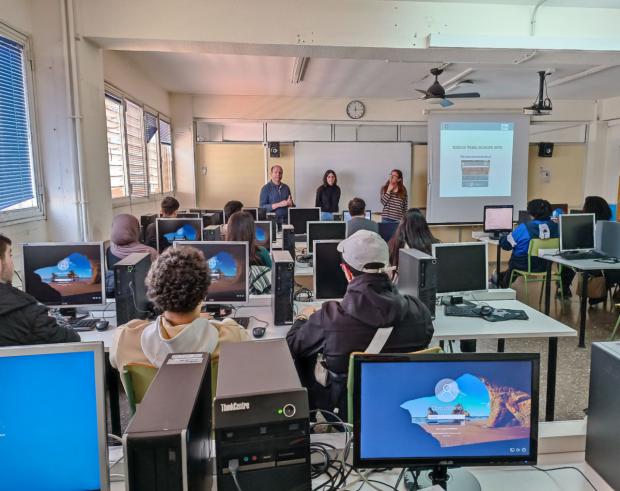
(499, 315)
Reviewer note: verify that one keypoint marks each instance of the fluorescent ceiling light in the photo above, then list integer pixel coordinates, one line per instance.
(579, 75)
(299, 69)
(522, 42)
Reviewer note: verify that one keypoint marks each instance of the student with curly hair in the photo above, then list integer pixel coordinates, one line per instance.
(177, 283)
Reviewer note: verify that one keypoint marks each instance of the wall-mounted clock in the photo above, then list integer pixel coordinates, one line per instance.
(356, 109)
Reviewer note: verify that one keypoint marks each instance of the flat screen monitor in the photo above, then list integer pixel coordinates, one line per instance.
(325, 231)
(577, 232)
(228, 269)
(498, 218)
(65, 274)
(146, 220)
(253, 212)
(561, 206)
(188, 214)
(387, 229)
(218, 219)
(170, 230)
(346, 216)
(263, 234)
(524, 216)
(461, 267)
(298, 217)
(52, 417)
(329, 280)
(574, 211)
(614, 212)
(434, 410)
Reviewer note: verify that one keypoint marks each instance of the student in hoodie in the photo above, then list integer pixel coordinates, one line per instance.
(518, 241)
(338, 329)
(176, 283)
(23, 320)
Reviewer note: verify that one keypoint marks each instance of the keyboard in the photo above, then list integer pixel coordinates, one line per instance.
(461, 311)
(570, 255)
(83, 324)
(242, 321)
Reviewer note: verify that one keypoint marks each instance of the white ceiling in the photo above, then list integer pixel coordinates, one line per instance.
(230, 74)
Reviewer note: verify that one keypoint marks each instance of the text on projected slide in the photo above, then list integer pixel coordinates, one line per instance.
(475, 159)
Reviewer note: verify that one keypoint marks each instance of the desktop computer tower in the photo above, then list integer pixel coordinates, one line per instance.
(417, 276)
(288, 239)
(212, 232)
(603, 431)
(282, 285)
(167, 443)
(261, 419)
(129, 287)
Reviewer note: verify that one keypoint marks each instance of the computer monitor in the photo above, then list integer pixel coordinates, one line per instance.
(608, 238)
(577, 232)
(387, 229)
(561, 206)
(53, 427)
(253, 212)
(614, 212)
(228, 268)
(146, 220)
(298, 217)
(170, 230)
(217, 220)
(329, 281)
(574, 211)
(497, 219)
(188, 214)
(64, 274)
(325, 231)
(442, 410)
(346, 216)
(263, 234)
(461, 267)
(524, 216)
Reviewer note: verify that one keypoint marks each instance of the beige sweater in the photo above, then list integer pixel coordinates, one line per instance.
(162, 338)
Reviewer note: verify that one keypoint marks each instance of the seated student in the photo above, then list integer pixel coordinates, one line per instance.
(230, 208)
(241, 228)
(23, 320)
(177, 283)
(338, 329)
(124, 239)
(518, 241)
(169, 208)
(602, 211)
(412, 233)
(357, 210)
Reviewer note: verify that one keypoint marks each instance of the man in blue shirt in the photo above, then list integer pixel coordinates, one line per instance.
(275, 196)
(518, 241)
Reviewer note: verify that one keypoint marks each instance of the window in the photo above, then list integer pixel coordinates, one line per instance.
(18, 179)
(139, 149)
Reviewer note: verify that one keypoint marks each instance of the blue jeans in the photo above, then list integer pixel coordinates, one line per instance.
(327, 216)
(389, 220)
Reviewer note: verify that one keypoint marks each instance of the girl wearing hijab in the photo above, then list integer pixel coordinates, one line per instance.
(124, 239)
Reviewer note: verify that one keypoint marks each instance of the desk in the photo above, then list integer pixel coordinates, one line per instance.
(585, 266)
(483, 237)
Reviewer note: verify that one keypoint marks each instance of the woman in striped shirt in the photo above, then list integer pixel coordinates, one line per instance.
(394, 198)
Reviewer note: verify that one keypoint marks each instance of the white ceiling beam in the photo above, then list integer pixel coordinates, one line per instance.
(579, 76)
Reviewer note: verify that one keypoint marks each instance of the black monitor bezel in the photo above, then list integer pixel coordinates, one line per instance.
(193, 221)
(330, 223)
(299, 210)
(426, 462)
(484, 216)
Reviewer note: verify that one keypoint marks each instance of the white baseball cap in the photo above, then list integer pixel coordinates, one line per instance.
(365, 247)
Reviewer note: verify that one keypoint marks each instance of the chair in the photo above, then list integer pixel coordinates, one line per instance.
(350, 378)
(613, 333)
(530, 276)
(136, 378)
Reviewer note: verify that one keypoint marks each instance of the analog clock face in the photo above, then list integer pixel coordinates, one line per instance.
(356, 109)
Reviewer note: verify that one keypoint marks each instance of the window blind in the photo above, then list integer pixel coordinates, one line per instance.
(152, 151)
(16, 171)
(134, 122)
(166, 156)
(116, 146)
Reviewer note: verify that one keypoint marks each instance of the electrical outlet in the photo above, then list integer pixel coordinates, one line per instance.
(545, 175)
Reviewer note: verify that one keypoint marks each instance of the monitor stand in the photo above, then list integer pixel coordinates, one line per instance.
(453, 479)
(495, 235)
(216, 310)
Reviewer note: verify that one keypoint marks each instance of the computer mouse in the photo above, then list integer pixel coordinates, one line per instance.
(259, 332)
(485, 310)
(102, 325)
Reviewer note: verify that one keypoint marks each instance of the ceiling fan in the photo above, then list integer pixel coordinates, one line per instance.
(437, 94)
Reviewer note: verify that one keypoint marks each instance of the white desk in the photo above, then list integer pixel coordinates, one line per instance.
(585, 266)
(484, 237)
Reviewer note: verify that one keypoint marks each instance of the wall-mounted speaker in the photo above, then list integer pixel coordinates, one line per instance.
(274, 149)
(545, 149)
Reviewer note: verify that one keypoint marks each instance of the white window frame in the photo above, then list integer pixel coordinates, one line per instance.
(11, 217)
(128, 200)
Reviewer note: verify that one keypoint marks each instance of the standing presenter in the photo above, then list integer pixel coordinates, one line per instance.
(328, 195)
(275, 196)
(394, 198)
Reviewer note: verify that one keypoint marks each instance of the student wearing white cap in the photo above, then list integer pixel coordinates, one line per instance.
(338, 329)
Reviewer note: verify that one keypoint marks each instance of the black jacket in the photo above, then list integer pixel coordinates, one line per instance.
(25, 321)
(327, 198)
(341, 328)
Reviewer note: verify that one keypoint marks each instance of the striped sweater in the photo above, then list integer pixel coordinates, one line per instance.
(394, 206)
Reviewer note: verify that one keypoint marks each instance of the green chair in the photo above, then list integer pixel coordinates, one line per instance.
(136, 378)
(613, 333)
(530, 276)
(350, 377)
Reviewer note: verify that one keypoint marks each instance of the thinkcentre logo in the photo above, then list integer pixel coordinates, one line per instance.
(235, 406)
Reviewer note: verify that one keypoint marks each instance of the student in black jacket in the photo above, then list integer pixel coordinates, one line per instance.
(338, 329)
(22, 319)
(328, 195)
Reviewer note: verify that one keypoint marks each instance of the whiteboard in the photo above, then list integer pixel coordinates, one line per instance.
(362, 168)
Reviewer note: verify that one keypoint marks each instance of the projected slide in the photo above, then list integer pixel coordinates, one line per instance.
(473, 409)
(475, 159)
